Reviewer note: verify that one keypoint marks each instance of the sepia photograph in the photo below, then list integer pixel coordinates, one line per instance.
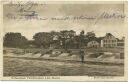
(63, 39)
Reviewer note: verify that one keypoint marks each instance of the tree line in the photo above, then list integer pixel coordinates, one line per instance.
(62, 39)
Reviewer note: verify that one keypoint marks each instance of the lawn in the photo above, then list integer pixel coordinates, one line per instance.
(32, 50)
(25, 67)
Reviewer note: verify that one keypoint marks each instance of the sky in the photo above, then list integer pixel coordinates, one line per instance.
(29, 27)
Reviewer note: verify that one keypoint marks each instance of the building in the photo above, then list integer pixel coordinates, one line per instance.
(93, 44)
(67, 34)
(120, 42)
(55, 37)
(55, 43)
(109, 41)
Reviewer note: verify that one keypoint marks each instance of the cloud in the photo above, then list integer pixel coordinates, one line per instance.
(30, 27)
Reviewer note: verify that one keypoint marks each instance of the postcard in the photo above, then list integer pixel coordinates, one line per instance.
(64, 40)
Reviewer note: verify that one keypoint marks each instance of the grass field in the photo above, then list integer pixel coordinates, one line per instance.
(33, 67)
(88, 50)
(24, 67)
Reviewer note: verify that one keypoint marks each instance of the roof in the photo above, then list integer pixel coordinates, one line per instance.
(120, 40)
(109, 34)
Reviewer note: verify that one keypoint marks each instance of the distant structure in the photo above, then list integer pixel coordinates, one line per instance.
(55, 42)
(109, 41)
(93, 44)
(120, 42)
(68, 34)
(55, 38)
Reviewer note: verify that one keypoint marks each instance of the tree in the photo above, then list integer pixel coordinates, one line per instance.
(56, 40)
(42, 39)
(66, 36)
(82, 33)
(76, 41)
(81, 39)
(54, 33)
(14, 40)
(91, 35)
